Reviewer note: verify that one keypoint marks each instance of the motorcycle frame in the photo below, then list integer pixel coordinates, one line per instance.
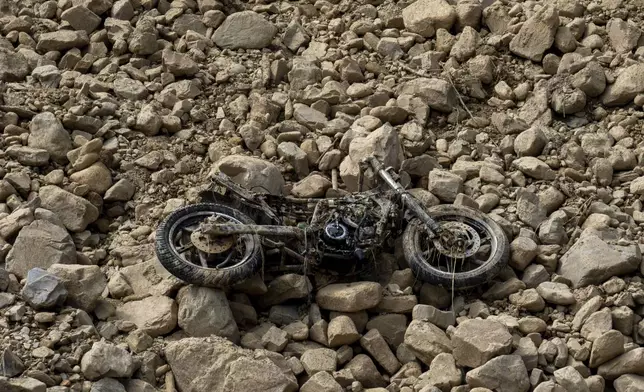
(253, 201)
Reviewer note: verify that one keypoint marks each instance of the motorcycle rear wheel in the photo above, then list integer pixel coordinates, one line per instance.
(432, 265)
(177, 255)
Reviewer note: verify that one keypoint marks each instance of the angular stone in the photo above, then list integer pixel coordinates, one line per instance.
(592, 261)
(84, 284)
(536, 35)
(75, 212)
(203, 311)
(426, 340)
(62, 40)
(349, 297)
(40, 245)
(477, 341)
(245, 30)
(606, 347)
(424, 17)
(506, 373)
(106, 360)
(631, 362)
(47, 133)
(43, 290)
(156, 315)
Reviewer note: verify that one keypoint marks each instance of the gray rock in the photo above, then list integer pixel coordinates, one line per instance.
(623, 35)
(252, 173)
(377, 347)
(203, 311)
(126, 88)
(187, 22)
(631, 362)
(47, 133)
(592, 261)
(445, 185)
(285, 287)
(97, 177)
(28, 156)
(424, 17)
(530, 142)
(442, 319)
(135, 385)
(43, 290)
(106, 360)
(349, 297)
(536, 35)
(606, 347)
(84, 284)
(40, 245)
(122, 190)
(477, 341)
(506, 373)
(75, 212)
(366, 372)
(321, 382)
(556, 293)
(155, 315)
(438, 93)
(569, 378)
(535, 168)
(341, 331)
(14, 67)
(245, 30)
(216, 364)
(426, 341)
(628, 84)
(81, 18)
(179, 64)
(10, 364)
(392, 327)
(62, 40)
(629, 383)
(22, 384)
(319, 360)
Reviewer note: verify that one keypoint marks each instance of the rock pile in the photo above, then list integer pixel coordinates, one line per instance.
(114, 113)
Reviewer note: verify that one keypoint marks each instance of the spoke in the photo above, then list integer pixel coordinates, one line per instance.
(202, 259)
(185, 247)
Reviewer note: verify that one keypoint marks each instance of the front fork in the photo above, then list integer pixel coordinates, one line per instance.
(409, 201)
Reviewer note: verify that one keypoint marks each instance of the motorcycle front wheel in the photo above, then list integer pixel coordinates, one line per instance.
(220, 263)
(472, 250)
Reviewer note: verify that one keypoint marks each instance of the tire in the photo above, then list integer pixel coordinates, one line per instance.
(196, 274)
(498, 258)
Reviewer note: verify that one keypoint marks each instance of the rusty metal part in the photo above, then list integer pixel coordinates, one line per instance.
(457, 240)
(211, 244)
(228, 229)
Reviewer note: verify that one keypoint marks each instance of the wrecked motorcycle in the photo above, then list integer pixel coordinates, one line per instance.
(223, 242)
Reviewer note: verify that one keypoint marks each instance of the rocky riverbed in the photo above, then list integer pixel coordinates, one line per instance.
(114, 113)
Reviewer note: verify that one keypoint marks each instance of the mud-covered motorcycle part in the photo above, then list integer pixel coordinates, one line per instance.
(425, 272)
(198, 275)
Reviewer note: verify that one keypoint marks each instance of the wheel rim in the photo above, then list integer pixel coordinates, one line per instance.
(470, 259)
(181, 235)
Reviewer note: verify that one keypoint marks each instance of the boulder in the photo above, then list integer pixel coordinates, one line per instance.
(203, 311)
(349, 297)
(41, 244)
(506, 373)
(591, 260)
(477, 341)
(252, 173)
(426, 341)
(215, 364)
(75, 212)
(536, 35)
(43, 290)
(155, 315)
(47, 133)
(244, 30)
(84, 284)
(107, 360)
